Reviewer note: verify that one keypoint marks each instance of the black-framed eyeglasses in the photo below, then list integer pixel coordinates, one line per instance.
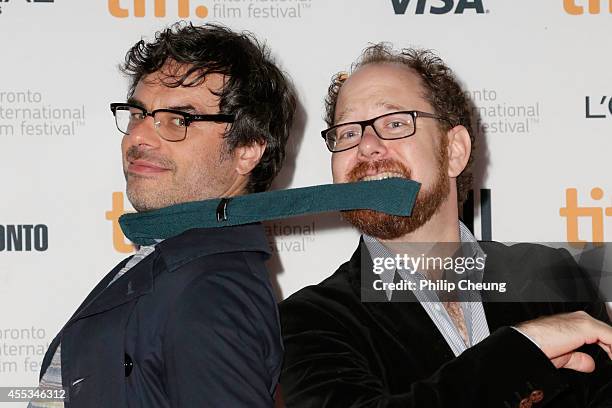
(170, 124)
(390, 126)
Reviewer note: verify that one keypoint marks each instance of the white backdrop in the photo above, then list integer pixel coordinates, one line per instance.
(529, 65)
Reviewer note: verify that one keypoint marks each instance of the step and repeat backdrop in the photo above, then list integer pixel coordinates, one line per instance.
(538, 73)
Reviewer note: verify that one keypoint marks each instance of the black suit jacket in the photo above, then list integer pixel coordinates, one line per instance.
(340, 352)
(194, 324)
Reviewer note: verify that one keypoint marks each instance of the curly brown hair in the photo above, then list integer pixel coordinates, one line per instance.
(257, 92)
(442, 92)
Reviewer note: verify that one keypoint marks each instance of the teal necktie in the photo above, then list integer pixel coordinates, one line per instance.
(393, 196)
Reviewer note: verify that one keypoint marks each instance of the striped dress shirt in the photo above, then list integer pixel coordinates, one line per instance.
(471, 302)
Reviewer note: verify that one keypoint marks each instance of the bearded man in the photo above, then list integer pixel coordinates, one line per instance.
(403, 114)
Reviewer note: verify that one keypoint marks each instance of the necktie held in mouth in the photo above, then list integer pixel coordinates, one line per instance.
(393, 196)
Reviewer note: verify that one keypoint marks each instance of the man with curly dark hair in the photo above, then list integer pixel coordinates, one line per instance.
(191, 319)
(391, 334)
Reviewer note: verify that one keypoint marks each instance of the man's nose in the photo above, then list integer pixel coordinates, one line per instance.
(145, 133)
(371, 146)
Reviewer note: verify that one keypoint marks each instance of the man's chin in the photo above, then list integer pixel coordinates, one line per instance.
(386, 227)
(145, 202)
(380, 225)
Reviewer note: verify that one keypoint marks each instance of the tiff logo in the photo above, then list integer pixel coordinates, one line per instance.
(159, 8)
(572, 212)
(601, 112)
(574, 9)
(400, 6)
(120, 243)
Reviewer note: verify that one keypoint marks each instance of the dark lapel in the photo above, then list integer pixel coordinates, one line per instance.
(406, 321)
(134, 283)
(83, 310)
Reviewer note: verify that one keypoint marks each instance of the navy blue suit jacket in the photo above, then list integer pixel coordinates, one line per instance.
(194, 324)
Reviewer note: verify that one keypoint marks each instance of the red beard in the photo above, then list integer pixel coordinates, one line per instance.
(385, 226)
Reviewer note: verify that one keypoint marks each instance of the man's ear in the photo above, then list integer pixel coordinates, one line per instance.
(248, 156)
(459, 150)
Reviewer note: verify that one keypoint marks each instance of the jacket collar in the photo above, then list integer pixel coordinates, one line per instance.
(200, 242)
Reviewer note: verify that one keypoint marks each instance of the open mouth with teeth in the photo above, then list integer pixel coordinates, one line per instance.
(383, 176)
